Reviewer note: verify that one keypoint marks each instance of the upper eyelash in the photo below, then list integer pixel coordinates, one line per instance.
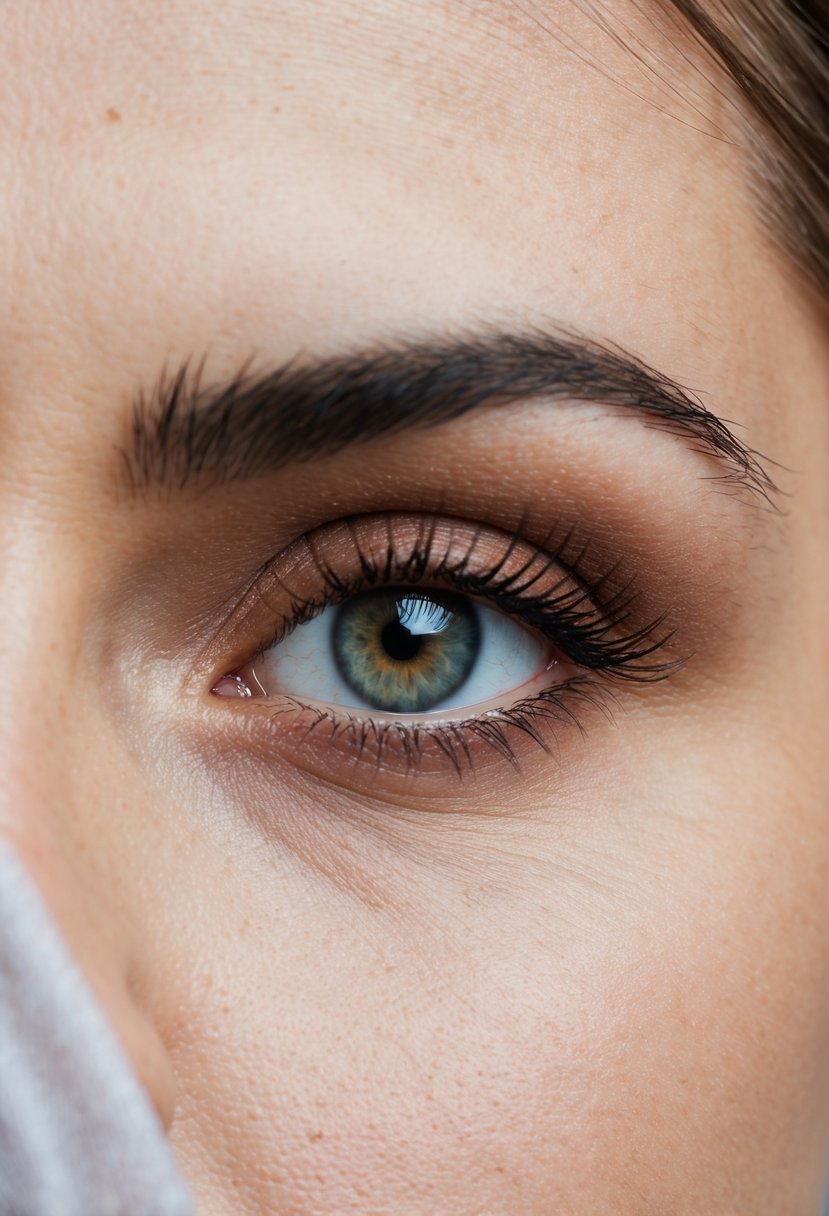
(585, 627)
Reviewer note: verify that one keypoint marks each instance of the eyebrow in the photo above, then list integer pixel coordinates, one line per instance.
(185, 432)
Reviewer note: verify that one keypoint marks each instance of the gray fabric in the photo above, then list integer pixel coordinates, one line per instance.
(78, 1136)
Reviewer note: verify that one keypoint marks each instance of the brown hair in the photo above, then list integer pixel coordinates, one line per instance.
(777, 53)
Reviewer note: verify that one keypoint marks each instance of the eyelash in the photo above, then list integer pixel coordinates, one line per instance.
(589, 625)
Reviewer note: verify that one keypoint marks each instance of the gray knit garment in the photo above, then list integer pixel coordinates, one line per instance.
(78, 1135)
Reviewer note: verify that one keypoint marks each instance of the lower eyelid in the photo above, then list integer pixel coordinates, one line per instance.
(376, 755)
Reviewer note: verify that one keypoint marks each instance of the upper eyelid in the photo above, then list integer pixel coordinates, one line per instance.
(591, 626)
(184, 432)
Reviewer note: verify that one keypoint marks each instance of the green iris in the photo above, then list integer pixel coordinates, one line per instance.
(405, 651)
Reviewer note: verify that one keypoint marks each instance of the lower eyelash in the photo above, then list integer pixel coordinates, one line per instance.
(369, 739)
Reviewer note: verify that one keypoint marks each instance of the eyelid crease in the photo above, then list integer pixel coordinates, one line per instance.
(542, 587)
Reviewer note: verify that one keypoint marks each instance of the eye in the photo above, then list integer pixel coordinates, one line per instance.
(413, 641)
(401, 651)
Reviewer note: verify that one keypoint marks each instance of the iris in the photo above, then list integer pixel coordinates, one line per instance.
(405, 651)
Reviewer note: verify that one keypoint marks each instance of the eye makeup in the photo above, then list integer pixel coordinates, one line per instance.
(597, 541)
(587, 620)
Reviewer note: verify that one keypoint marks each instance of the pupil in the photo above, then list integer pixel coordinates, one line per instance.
(398, 643)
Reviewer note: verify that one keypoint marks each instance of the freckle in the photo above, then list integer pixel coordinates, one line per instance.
(314, 1136)
(113, 115)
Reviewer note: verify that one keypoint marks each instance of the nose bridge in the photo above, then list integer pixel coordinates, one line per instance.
(38, 631)
(45, 798)
(53, 796)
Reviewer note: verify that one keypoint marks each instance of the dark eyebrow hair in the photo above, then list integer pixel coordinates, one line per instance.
(185, 432)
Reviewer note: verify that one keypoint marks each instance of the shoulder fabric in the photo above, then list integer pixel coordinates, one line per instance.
(78, 1135)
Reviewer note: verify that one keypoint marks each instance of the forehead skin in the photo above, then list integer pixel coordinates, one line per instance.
(258, 167)
(297, 175)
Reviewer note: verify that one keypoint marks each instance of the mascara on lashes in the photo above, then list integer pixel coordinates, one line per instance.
(587, 624)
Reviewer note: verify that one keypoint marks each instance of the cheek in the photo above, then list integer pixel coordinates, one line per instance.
(629, 1017)
(711, 1073)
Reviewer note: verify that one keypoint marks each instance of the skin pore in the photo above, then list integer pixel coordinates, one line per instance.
(595, 979)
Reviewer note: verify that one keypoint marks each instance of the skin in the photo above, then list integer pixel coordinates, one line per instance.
(596, 984)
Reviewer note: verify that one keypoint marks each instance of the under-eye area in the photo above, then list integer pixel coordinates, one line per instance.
(410, 637)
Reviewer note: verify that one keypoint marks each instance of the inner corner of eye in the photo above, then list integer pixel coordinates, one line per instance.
(231, 686)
